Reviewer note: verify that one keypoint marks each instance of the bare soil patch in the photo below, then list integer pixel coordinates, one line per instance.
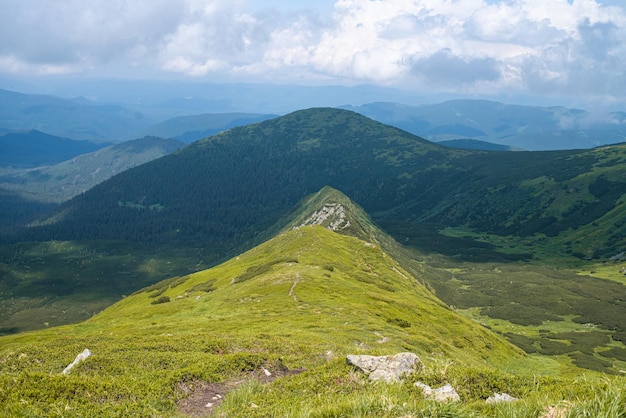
(204, 397)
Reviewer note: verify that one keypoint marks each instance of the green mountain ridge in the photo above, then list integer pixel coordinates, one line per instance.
(286, 312)
(243, 180)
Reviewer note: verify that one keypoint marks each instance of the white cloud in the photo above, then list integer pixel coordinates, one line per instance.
(525, 46)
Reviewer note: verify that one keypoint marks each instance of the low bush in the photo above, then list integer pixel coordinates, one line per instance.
(162, 299)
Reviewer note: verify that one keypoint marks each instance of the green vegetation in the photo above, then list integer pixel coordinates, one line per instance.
(292, 320)
(525, 245)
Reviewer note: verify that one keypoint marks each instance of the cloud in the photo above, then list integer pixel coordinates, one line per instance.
(444, 69)
(591, 63)
(78, 35)
(515, 46)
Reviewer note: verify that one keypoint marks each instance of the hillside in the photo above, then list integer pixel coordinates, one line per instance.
(524, 127)
(243, 180)
(267, 333)
(60, 182)
(33, 148)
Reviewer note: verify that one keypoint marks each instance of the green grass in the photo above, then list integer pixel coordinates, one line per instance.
(294, 314)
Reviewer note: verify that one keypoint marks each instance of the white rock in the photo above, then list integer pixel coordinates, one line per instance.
(79, 358)
(386, 368)
(445, 393)
(501, 397)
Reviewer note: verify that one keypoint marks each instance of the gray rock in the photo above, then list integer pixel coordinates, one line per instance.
(446, 393)
(79, 358)
(386, 368)
(501, 397)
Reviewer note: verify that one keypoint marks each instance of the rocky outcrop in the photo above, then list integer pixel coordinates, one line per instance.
(386, 368)
(332, 215)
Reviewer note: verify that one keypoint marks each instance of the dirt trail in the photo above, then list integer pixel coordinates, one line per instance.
(293, 286)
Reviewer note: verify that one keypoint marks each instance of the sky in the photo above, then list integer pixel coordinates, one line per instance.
(540, 48)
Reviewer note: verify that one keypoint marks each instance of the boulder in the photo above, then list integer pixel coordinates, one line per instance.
(445, 393)
(386, 368)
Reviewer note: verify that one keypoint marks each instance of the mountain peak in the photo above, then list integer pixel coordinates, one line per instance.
(335, 211)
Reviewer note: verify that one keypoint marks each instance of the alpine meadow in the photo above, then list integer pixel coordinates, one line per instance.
(242, 274)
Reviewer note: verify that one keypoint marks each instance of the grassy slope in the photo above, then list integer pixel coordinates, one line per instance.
(303, 300)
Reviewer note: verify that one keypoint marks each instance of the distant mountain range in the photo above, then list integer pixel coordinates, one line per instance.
(476, 144)
(60, 182)
(191, 112)
(34, 148)
(524, 127)
(195, 127)
(76, 119)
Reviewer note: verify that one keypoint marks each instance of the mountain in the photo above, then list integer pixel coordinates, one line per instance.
(525, 127)
(34, 148)
(69, 118)
(62, 181)
(188, 97)
(194, 127)
(267, 332)
(528, 243)
(243, 180)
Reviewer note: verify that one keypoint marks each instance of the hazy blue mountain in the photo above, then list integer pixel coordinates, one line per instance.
(194, 127)
(34, 148)
(202, 97)
(126, 109)
(476, 145)
(69, 118)
(60, 182)
(525, 127)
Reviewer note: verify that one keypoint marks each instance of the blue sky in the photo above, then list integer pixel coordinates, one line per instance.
(543, 48)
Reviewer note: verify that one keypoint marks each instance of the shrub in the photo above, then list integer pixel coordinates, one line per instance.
(204, 287)
(162, 299)
(402, 323)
